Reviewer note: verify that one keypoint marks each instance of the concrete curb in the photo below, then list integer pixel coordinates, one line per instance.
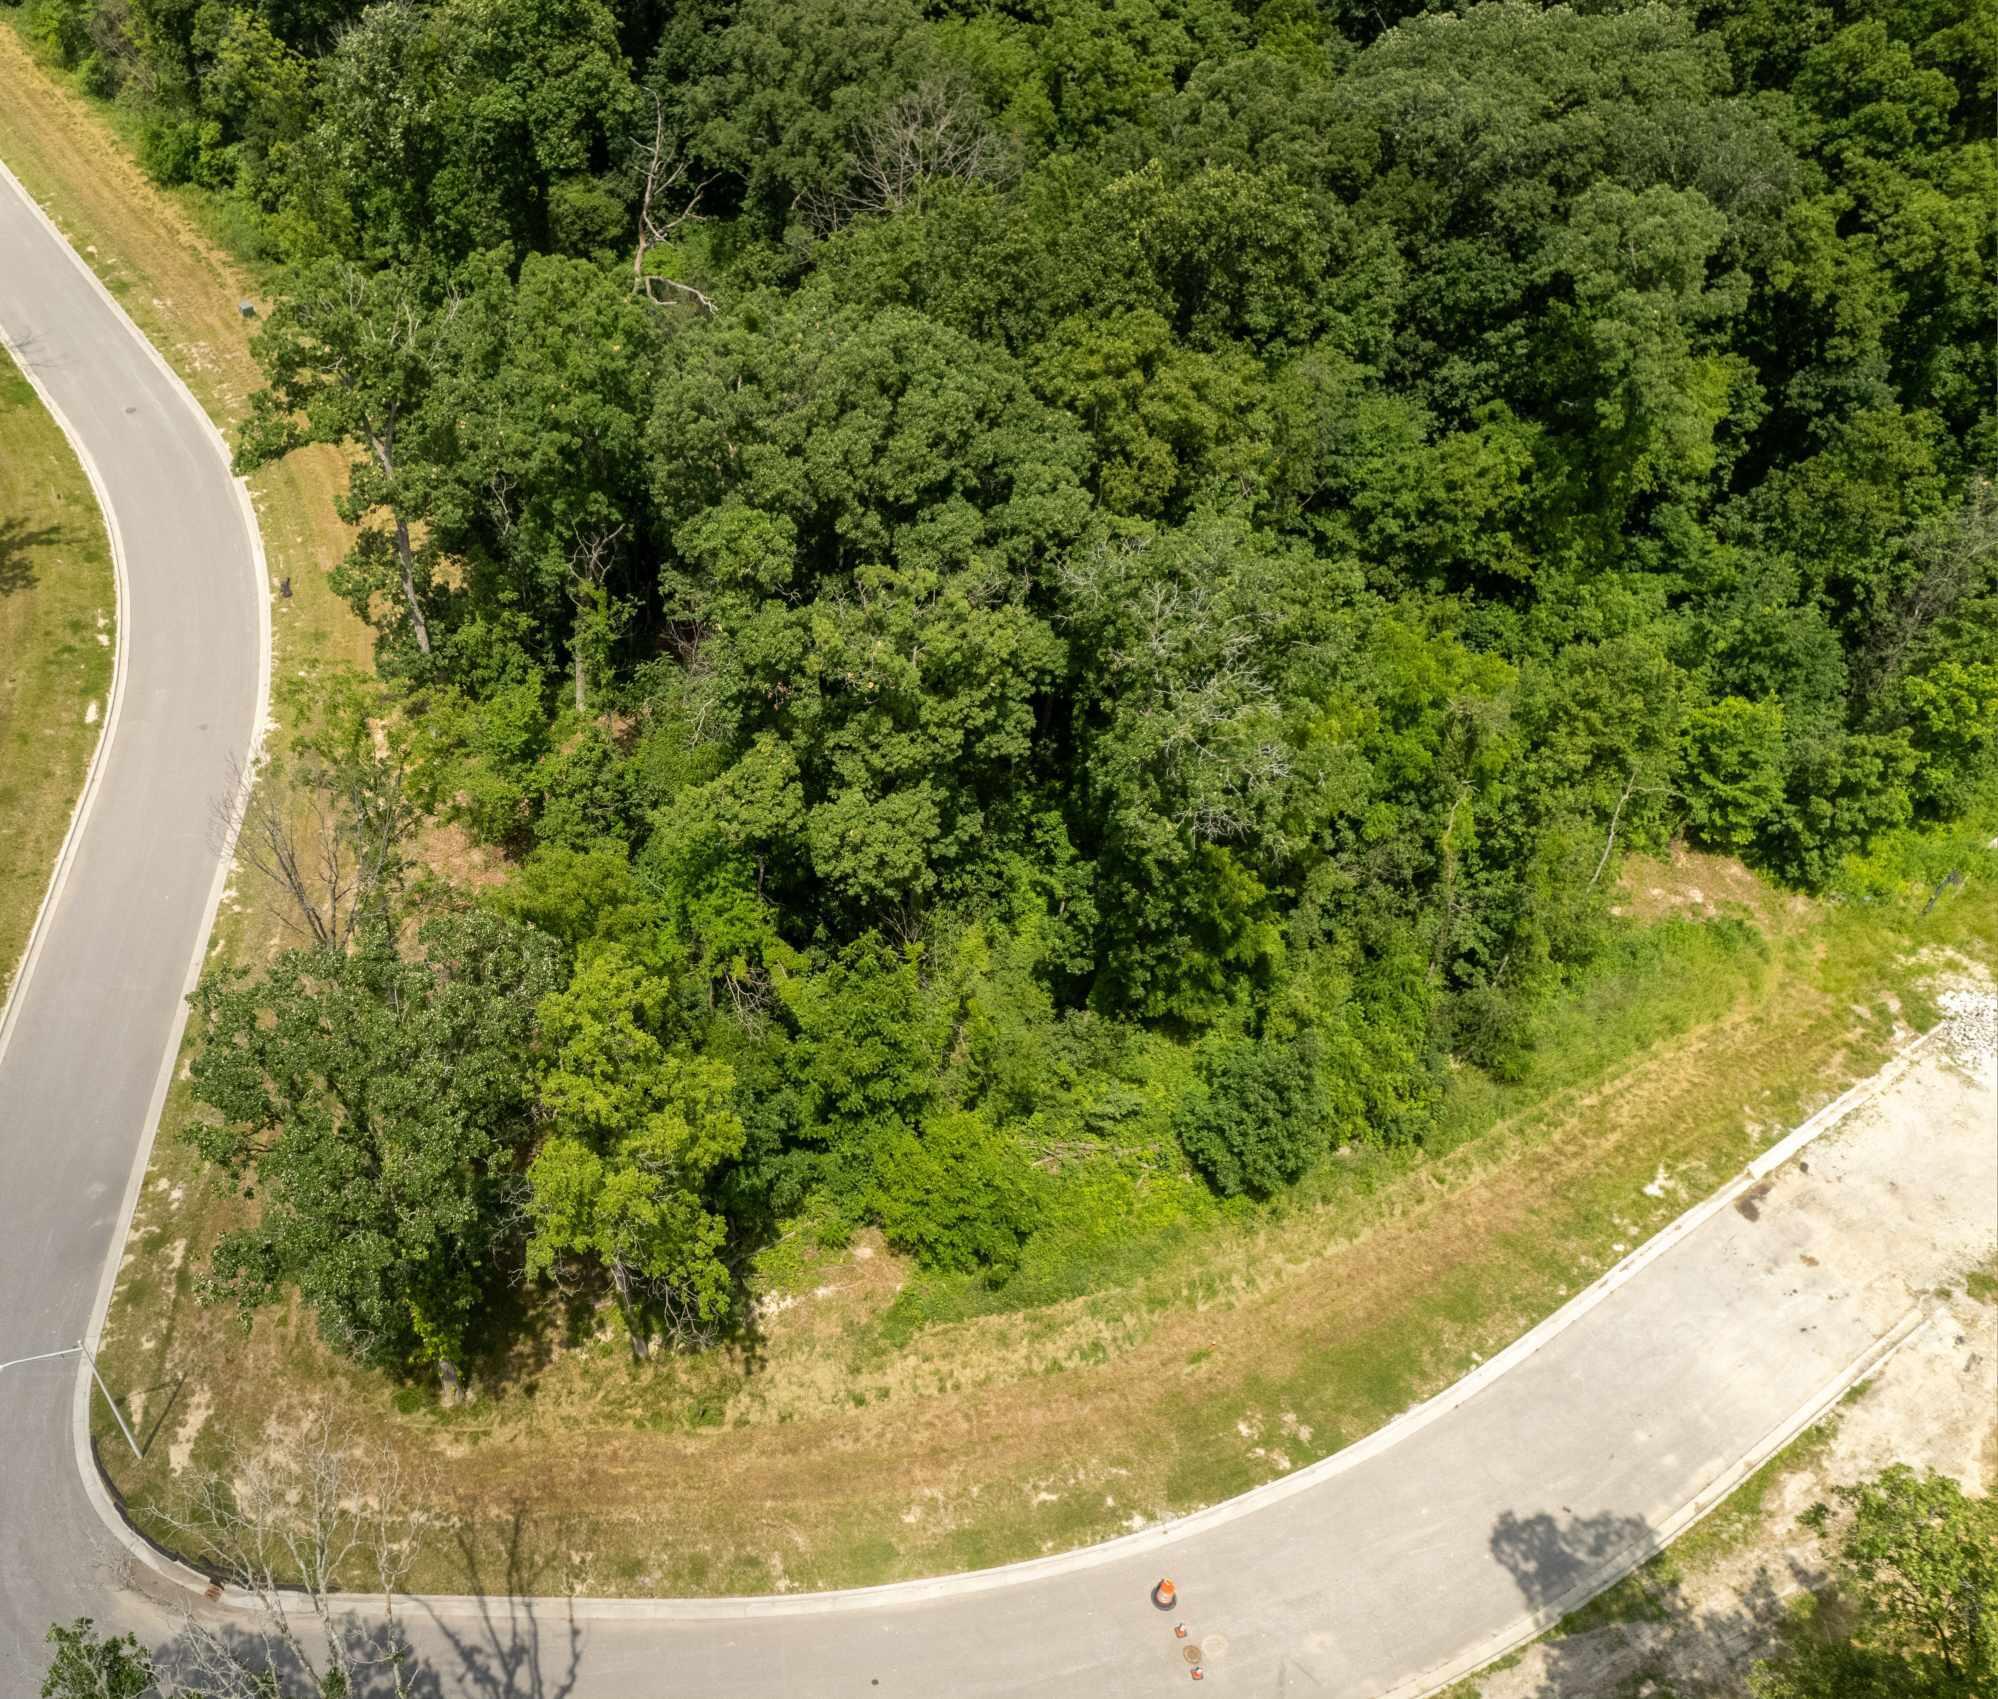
(460, 1607)
(94, 1483)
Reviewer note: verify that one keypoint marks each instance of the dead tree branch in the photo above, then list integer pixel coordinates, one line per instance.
(655, 226)
(329, 838)
(305, 1520)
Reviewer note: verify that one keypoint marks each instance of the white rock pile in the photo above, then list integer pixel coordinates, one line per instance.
(1970, 1026)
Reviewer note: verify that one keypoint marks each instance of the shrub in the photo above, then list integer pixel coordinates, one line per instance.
(1257, 1123)
(958, 1197)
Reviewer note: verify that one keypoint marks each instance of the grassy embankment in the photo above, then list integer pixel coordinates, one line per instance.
(58, 624)
(861, 1444)
(886, 1424)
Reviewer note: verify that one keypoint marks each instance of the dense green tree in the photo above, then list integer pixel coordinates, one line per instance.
(472, 124)
(375, 1103)
(350, 358)
(535, 474)
(955, 1195)
(1734, 769)
(1917, 1565)
(1124, 610)
(636, 1134)
(864, 514)
(1258, 1124)
(89, 1665)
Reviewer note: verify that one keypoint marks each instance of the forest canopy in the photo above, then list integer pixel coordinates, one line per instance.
(1056, 607)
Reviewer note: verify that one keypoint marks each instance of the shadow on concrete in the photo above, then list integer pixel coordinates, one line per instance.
(229, 1662)
(506, 1654)
(510, 1652)
(1645, 1633)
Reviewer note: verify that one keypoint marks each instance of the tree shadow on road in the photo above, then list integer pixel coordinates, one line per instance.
(498, 1655)
(1645, 1634)
(507, 1650)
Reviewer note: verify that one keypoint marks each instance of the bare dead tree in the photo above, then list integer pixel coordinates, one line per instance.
(663, 184)
(933, 133)
(1631, 788)
(590, 563)
(681, 1324)
(329, 837)
(307, 1520)
(1953, 558)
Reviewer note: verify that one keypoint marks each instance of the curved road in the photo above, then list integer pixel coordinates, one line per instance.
(98, 1004)
(1385, 1570)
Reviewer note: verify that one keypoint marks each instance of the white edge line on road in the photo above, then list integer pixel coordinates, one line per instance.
(1409, 1422)
(94, 1483)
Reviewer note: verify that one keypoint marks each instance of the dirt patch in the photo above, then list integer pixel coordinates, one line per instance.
(449, 851)
(1690, 884)
(1749, 1204)
(200, 1406)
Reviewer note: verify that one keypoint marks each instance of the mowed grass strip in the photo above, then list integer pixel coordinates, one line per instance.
(152, 250)
(58, 630)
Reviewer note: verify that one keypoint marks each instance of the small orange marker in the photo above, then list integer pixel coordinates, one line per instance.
(1179, 1631)
(1197, 1676)
(1165, 1594)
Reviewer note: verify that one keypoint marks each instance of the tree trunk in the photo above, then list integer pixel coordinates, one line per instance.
(621, 1282)
(581, 704)
(405, 555)
(406, 559)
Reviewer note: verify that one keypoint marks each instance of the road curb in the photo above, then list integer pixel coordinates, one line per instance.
(1532, 1625)
(114, 705)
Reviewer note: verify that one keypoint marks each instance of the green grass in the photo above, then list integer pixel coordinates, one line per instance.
(58, 610)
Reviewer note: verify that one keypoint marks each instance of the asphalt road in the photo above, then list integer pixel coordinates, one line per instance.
(101, 998)
(1373, 1576)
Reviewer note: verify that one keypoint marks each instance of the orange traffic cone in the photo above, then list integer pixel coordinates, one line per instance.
(1179, 1631)
(1197, 1676)
(1165, 1594)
